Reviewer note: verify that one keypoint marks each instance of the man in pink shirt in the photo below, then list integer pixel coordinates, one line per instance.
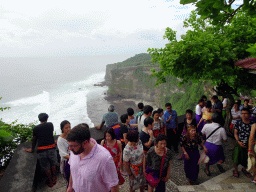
(91, 165)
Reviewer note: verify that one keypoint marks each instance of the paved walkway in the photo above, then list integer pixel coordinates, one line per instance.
(178, 180)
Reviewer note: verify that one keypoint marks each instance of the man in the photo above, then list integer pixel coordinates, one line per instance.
(140, 106)
(147, 112)
(217, 107)
(246, 104)
(171, 121)
(91, 165)
(110, 118)
(46, 152)
(242, 131)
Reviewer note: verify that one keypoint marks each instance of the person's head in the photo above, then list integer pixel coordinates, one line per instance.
(191, 131)
(239, 102)
(132, 136)
(246, 101)
(43, 117)
(147, 110)
(140, 106)
(155, 115)
(109, 134)
(189, 114)
(111, 108)
(208, 106)
(214, 98)
(130, 111)
(160, 111)
(236, 106)
(148, 122)
(168, 107)
(201, 102)
(161, 141)
(216, 118)
(124, 118)
(78, 138)
(204, 98)
(65, 127)
(245, 114)
(251, 101)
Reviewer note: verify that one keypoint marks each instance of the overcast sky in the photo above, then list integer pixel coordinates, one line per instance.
(86, 27)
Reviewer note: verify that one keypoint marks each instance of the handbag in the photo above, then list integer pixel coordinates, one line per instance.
(149, 177)
(203, 158)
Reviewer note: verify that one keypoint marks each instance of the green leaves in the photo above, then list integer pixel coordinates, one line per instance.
(187, 1)
(252, 50)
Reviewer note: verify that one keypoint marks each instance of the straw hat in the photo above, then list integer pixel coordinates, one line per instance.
(251, 163)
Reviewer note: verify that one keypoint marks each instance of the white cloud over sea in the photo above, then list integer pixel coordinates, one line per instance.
(85, 27)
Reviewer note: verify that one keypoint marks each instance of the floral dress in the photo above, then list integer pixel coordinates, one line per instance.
(134, 155)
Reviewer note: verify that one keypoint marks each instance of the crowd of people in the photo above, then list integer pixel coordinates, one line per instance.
(140, 146)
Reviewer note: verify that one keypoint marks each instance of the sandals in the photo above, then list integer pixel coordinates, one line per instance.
(208, 174)
(235, 173)
(246, 173)
(220, 168)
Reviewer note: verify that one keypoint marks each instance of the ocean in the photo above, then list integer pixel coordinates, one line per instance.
(61, 87)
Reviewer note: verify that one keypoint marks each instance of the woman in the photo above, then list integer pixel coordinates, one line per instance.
(153, 160)
(207, 115)
(130, 113)
(147, 135)
(236, 115)
(159, 126)
(133, 161)
(189, 146)
(161, 113)
(251, 149)
(115, 148)
(63, 149)
(224, 101)
(215, 134)
(187, 122)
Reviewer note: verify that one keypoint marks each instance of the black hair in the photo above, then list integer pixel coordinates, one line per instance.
(239, 102)
(246, 109)
(160, 110)
(168, 104)
(154, 112)
(161, 137)
(43, 117)
(208, 104)
(216, 118)
(79, 133)
(63, 123)
(203, 97)
(214, 97)
(147, 109)
(189, 111)
(132, 136)
(130, 111)
(201, 100)
(111, 132)
(148, 121)
(140, 106)
(246, 100)
(123, 118)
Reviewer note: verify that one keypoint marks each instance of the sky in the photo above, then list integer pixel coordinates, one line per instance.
(30, 28)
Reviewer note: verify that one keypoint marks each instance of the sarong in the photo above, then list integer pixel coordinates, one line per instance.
(66, 171)
(191, 166)
(200, 127)
(156, 174)
(215, 153)
(240, 155)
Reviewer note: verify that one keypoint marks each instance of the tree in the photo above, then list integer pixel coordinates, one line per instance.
(207, 53)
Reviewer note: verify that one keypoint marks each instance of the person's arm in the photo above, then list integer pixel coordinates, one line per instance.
(133, 125)
(120, 151)
(70, 184)
(169, 119)
(63, 151)
(168, 172)
(31, 150)
(102, 142)
(125, 138)
(115, 188)
(252, 140)
(185, 153)
(149, 143)
(200, 122)
(101, 125)
(205, 149)
(128, 169)
(165, 130)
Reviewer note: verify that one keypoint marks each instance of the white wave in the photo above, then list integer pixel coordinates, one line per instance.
(95, 78)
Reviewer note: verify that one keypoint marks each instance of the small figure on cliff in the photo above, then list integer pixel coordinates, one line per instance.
(91, 165)
(47, 156)
(171, 122)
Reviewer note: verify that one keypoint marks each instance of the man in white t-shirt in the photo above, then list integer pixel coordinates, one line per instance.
(215, 134)
(199, 108)
(147, 112)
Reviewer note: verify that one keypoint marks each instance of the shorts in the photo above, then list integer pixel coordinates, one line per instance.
(47, 159)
